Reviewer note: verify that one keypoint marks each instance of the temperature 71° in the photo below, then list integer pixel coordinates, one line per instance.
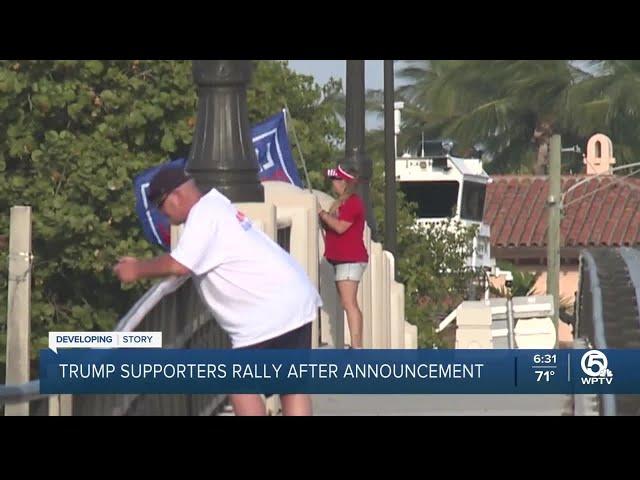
(544, 375)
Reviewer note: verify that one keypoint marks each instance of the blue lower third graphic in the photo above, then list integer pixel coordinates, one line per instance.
(172, 371)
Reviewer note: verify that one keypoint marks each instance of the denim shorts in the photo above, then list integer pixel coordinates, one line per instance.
(350, 271)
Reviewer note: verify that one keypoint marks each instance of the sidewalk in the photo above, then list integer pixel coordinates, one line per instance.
(513, 405)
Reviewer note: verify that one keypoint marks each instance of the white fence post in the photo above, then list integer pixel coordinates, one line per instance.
(18, 305)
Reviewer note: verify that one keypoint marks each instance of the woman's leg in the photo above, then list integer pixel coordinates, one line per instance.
(348, 291)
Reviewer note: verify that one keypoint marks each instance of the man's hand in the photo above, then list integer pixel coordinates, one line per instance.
(127, 269)
(130, 269)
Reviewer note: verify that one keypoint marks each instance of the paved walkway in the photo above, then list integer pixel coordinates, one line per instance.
(548, 405)
(435, 405)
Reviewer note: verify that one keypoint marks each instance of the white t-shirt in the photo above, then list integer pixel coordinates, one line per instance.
(254, 288)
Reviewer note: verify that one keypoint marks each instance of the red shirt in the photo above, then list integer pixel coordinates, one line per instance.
(348, 246)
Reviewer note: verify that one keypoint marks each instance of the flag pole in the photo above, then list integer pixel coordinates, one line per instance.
(295, 138)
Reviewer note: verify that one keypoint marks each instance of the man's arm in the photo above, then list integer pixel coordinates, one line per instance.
(131, 269)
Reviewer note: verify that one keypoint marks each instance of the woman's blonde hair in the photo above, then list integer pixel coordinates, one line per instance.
(348, 191)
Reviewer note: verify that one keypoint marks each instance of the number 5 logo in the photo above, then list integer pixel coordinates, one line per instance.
(594, 363)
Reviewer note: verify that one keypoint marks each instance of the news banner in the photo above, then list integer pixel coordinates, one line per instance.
(126, 363)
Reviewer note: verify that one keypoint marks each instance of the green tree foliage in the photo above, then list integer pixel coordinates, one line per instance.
(608, 102)
(511, 106)
(514, 106)
(75, 133)
(73, 136)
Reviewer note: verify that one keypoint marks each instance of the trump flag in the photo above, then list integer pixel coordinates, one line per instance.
(275, 161)
(273, 151)
(155, 224)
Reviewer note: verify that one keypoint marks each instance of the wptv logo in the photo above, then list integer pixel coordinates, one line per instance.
(594, 364)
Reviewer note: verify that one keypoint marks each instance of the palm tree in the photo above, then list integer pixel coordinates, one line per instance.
(373, 104)
(609, 103)
(512, 106)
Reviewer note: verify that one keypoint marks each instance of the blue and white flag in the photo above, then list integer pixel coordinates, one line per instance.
(155, 224)
(275, 160)
(273, 151)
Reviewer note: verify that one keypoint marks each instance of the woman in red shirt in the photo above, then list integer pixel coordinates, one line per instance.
(344, 245)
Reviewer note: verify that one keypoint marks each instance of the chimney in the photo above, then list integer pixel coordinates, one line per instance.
(599, 157)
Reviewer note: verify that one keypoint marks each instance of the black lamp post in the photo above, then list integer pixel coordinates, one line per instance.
(355, 152)
(390, 220)
(222, 154)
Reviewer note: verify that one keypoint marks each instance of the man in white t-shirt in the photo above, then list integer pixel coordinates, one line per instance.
(257, 292)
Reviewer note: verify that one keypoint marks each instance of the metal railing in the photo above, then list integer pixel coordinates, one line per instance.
(175, 308)
(590, 306)
(185, 322)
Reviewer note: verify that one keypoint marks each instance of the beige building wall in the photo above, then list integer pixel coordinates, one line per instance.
(568, 282)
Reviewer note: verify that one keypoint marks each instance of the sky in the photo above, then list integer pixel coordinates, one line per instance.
(323, 70)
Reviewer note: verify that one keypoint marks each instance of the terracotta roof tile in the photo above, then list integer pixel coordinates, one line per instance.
(607, 212)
